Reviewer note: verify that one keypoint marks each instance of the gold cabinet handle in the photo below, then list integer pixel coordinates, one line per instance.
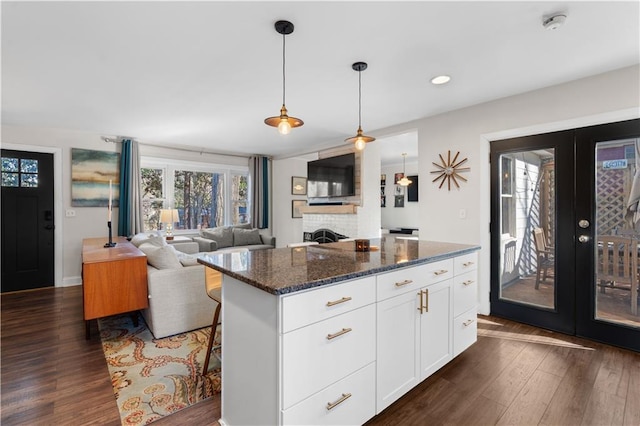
(426, 300)
(468, 322)
(424, 303)
(468, 282)
(343, 398)
(339, 333)
(405, 282)
(465, 264)
(337, 302)
(440, 272)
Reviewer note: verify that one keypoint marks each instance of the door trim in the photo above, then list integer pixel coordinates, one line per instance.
(57, 203)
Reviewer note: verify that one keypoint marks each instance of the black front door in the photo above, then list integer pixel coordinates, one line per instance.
(565, 231)
(27, 220)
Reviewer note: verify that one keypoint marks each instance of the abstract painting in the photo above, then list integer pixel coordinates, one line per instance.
(91, 172)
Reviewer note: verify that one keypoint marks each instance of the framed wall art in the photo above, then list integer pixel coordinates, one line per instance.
(295, 208)
(298, 185)
(93, 173)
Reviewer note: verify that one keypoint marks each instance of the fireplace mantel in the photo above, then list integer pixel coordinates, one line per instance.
(337, 209)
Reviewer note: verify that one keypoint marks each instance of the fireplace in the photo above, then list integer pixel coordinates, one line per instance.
(323, 236)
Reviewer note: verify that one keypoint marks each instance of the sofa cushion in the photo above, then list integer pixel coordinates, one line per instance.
(187, 259)
(141, 238)
(164, 257)
(223, 236)
(245, 237)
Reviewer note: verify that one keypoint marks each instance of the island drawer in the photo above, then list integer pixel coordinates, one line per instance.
(301, 309)
(322, 353)
(465, 292)
(351, 401)
(466, 263)
(465, 330)
(412, 278)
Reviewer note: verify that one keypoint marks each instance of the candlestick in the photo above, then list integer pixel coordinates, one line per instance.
(110, 243)
(110, 201)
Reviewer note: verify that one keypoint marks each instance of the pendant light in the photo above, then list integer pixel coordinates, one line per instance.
(283, 122)
(405, 181)
(359, 139)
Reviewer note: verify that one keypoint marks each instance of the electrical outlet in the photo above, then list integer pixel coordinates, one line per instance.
(70, 213)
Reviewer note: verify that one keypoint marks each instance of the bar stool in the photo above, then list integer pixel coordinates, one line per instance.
(213, 284)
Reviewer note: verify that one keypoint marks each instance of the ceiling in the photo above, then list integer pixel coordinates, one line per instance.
(205, 75)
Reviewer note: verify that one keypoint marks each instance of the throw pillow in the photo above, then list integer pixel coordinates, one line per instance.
(246, 237)
(157, 241)
(140, 238)
(223, 236)
(164, 257)
(187, 259)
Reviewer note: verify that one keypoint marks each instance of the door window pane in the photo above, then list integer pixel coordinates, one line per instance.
(19, 172)
(9, 164)
(527, 266)
(617, 233)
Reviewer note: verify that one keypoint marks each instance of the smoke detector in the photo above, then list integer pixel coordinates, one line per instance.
(554, 22)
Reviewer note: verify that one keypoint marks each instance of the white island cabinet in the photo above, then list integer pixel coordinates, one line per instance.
(339, 350)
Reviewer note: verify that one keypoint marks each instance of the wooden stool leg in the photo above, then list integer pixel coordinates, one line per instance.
(214, 326)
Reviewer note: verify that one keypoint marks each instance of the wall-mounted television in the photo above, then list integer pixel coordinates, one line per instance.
(331, 177)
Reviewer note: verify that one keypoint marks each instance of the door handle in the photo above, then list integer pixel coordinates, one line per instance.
(583, 238)
(49, 227)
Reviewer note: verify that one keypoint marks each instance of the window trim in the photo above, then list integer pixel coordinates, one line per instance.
(169, 166)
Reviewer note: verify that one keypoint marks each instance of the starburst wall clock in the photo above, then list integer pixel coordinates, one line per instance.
(450, 170)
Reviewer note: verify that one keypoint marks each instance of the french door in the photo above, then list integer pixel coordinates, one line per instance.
(565, 234)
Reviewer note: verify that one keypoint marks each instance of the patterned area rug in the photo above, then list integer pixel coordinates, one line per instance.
(153, 378)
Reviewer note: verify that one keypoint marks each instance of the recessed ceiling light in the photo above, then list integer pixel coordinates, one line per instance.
(441, 79)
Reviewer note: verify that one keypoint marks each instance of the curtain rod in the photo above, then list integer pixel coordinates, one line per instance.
(199, 151)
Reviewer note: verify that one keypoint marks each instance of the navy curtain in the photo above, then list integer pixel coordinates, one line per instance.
(259, 171)
(130, 211)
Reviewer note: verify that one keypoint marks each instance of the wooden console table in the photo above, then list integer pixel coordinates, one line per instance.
(114, 280)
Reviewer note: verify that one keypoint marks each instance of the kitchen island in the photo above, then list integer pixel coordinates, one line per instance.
(327, 335)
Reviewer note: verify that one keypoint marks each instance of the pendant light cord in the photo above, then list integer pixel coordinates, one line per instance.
(283, 68)
(359, 99)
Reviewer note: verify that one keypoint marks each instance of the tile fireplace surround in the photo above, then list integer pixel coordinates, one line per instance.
(346, 224)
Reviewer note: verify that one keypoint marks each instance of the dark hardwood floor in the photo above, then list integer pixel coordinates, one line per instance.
(515, 374)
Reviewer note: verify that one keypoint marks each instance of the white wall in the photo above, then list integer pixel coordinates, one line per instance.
(286, 229)
(608, 97)
(88, 221)
(407, 216)
(369, 210)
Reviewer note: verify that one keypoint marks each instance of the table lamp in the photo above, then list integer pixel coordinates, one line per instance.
(169, 217)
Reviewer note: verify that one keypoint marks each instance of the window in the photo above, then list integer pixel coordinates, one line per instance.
(18, 172)
(199, 192)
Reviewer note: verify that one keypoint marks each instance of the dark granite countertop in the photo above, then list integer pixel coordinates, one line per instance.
(286, 270)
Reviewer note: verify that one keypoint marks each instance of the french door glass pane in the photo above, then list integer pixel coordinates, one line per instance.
(617, 233)
(527, 264)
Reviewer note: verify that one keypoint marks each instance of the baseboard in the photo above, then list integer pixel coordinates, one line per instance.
(71, 281)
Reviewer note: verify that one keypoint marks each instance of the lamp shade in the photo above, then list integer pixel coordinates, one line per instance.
(169, 216)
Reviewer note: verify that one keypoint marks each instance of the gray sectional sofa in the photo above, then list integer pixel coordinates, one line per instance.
(237, 236)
